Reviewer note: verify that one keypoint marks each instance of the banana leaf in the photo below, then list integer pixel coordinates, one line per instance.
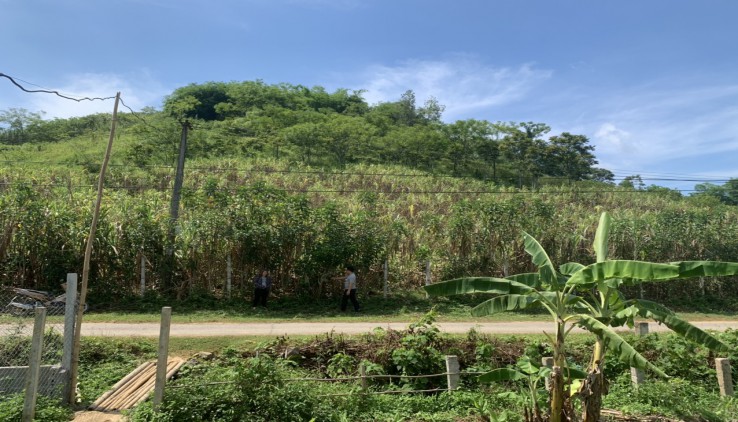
(666, 316)
(596, 273)
(502, 374)
(529, 279)
(541, 260)
(504, 303)
(467, 285)
(570, 268)
(706, 268)
(616, 344)
(602, 236)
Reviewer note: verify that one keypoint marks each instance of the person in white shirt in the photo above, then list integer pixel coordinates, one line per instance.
(349, 289)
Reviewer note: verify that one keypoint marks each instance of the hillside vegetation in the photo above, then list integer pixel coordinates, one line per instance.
(303, 181)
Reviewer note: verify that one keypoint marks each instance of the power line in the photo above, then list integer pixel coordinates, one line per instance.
(335, 173)
(46, 91)
(402, 192)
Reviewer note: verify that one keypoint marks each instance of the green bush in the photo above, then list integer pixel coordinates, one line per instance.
(675, 398)
(47, 409)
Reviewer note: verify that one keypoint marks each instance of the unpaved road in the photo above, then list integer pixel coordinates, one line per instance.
(314, 328)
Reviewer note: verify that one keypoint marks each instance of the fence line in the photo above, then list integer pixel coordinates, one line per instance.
(34, 350)
(347, 379)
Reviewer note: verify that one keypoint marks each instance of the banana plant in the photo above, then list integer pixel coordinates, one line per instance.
(587, 296)
(531, 375)
(611, 309)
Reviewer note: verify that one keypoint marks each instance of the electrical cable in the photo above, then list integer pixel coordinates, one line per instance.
(46, 91)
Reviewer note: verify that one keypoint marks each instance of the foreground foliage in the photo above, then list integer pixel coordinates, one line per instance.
(589, 297)
(239, 386)
(243, 382)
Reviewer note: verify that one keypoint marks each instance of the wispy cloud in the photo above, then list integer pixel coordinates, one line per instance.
(137, 91)
(463, 84)
(648, 127)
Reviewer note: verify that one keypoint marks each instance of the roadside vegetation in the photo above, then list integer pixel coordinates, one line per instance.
(250, 379)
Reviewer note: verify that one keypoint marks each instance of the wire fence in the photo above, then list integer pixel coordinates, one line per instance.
(18, 307)
(453, 376)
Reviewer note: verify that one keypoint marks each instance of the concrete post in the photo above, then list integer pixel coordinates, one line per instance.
(427, 272)
(637, 376)
(143, 275)
(229, 272)
(548, 362)
(452, 372)
(725, 379)
(161, 363)
(70, 314)
(385, 269)
(362, 373)
(34, 366)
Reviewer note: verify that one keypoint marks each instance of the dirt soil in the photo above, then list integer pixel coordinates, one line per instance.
(93, 416)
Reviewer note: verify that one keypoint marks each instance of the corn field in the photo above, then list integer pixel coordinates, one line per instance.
(305, 224)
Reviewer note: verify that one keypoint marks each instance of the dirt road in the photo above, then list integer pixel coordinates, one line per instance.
(313, 328)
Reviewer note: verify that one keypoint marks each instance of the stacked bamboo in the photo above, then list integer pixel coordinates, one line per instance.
(134, 387)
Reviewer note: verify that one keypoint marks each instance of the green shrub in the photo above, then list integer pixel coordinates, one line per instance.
(47, 409)
(675, 398)
(419, 354)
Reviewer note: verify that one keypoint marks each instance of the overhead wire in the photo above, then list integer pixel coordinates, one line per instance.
(48, 91)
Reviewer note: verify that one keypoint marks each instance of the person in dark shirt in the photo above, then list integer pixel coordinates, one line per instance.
(262, 284)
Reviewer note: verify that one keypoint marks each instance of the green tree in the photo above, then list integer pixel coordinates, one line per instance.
(726, 193)
(524, 151)
(431, 111)
(208, 97)
(633, 182)
(307, 137)
(569, 156)
(466, 138)
(348, 138)
(17, 125)
(414, 146)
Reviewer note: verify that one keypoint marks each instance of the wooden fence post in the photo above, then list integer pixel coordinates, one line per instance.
(548, 362)
(34, 366)
(70, 314)
(161, 364)
(452, 372)
(386, 278)
(637, 376)
(725, 379)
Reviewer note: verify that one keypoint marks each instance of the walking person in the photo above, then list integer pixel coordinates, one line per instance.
(349, 289)
(262, 284)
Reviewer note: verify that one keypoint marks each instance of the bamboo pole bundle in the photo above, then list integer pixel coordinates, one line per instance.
(135, 387)
(102, 399)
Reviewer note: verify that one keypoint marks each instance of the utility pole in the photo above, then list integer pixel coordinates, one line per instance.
(179, 177)
(174, 209)
(88, 255)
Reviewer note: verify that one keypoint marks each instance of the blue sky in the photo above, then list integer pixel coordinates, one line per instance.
(653, 84)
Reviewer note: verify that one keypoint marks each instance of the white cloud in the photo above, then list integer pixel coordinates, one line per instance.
(137, 91)
(463, 84)
(614, 138)
(684, 131)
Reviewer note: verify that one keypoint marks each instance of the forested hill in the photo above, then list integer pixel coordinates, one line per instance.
(331, 130)
(303, 181)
